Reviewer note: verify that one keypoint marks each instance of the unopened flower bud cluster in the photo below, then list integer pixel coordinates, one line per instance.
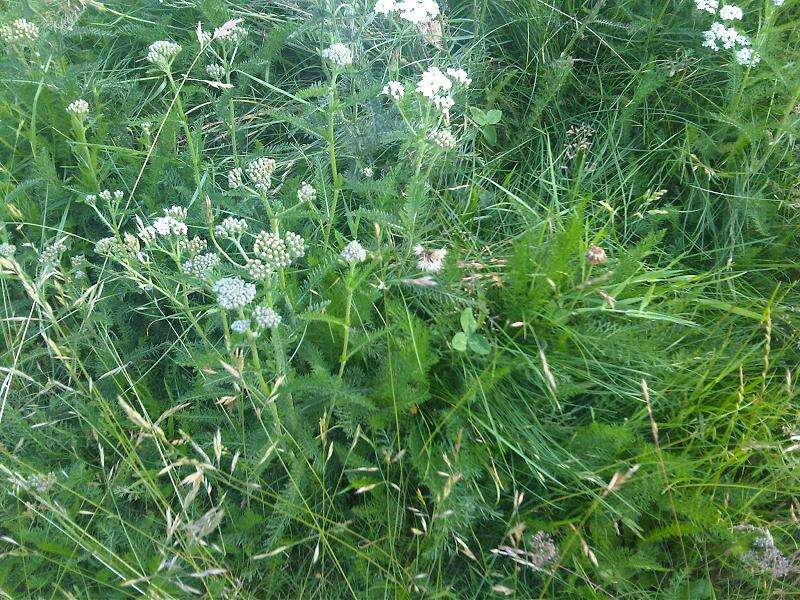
(19, 32)
(162, 53)
(260, 172)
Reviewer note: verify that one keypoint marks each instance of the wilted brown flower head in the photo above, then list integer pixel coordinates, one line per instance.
(595, 255)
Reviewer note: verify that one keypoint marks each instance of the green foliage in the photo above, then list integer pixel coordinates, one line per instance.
(560, 360)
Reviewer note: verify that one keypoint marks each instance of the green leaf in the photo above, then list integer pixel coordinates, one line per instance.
(459, 342)
(493, 116)
(490, 133)
(479, 345)
(468, 324)
(478, 115)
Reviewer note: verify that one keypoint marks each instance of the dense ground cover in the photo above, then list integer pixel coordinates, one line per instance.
(326, 299)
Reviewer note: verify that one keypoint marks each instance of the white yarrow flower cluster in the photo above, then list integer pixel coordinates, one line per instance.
(275, 253)
(50, 256)
(231, 31)
(729, 12)
(430, 261)
(747, 57)
(105, 195)
(306, 193)
(7, 250)
(240, 326)
(235, 178)
(233, 292)
(338, 54)
(394, 89)
(19, 32)
(459, 75)
(354, 252)
(266, 317)
(171, 224)
(78, 108)
(192, 246)
(215, 71)
(108, 246)
(709, 6)
(444, 139)
(162, 53)
(720, 35)
(231, 228)
(433, 83)
(418, 12)
(260, 172)
(201, 265)
(436, 85)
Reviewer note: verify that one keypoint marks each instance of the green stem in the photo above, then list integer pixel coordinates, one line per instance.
(332, 158)
(193, 150)
(346, 339)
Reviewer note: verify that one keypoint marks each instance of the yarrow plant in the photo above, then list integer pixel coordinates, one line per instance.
(314, 282)
(338, 54)
(162, 53)
(260, 172)
(727, 37)
(394, 89)
(354, 252)
(19, 32)
(418, 12)
(78, 109)
(233, 292)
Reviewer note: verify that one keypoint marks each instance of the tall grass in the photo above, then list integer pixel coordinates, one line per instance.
(314, 347)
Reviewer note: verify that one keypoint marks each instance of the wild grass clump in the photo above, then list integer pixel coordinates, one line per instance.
(399, 299)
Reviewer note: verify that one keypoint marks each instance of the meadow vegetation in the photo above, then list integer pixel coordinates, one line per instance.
(399, 299)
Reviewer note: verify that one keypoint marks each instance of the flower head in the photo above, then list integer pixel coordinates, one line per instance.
(260, 172)
(747, 57)
(201, 265)
(430, 261)
(394, 89)
(233, 292)
(240, 326)
(215, 71)
(162, 53)
(595, 255)
(306, 193)
(709, 6)
(385, 7)
(271, 249)
(235, 178)
(79, 109)
(418, 11)
(19, 32)
(444, 139)
(354, 252)
(231, 228)
(50, 256)
(339, 54)
(231, 30)
(266, 317)
(295, 245)
(459, 75)
(729, 12)
(7, 250)
(433, 82)
(192, 246)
